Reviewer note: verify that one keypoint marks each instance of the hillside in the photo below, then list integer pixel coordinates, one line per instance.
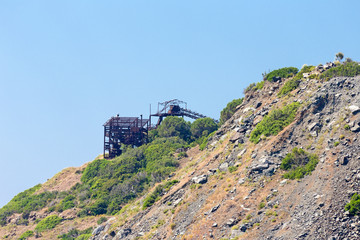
(284, 164)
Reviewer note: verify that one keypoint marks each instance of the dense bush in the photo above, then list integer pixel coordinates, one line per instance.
(290, 85)
(25, 202)
(112, 183)
(174, 127)
(354, 205)
(304, 69)
(47, 223)
(66, 203)
(229, 110)
(282, 73)
(203, 127)
(348, 69)
(299, 163)
(85, 236)
(273, 123)
(155, 195)
(26, 235)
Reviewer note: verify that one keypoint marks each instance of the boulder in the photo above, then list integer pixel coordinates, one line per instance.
(215, 208)
(235, 137)
(354, 109)
(318, 103)
(258, 104)
(259, 167)
(314, 133)
(199, 179)
(212, 171)
(313, 126)
(344, 160)
(241, 181)
(224, 166)
(231, 222)
(355, 128)
(243, 228)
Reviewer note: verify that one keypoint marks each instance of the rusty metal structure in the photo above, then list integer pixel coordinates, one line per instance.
(131, 131)
(174, 107)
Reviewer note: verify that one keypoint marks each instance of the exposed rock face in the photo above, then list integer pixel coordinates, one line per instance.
(254, 202)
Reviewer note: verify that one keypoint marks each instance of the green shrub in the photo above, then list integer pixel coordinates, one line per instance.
(66, 203)
(259, 85)
(155, 195)
(26, 235)
(274, 122)
(229, 110)
(202, 127)
(94, 169)
(261, 205)
(304, 69)
(354, 205)
(282, 72)
(254, 87)
(205, 141)
(84, 236)
(102, 220)
(347, 127)
(348, 69)
(75, 234)
(336, 143)
(48, 223)
(174, 127)
(249, 88)
(299, 163)
(232, 169)
(289, 86)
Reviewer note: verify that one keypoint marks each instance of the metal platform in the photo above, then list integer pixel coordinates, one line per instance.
(174, 107)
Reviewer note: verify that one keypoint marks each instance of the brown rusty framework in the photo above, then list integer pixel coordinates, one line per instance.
(124, 130)
(174, 107)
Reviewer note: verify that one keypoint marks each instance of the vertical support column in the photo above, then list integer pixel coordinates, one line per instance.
(104, 141)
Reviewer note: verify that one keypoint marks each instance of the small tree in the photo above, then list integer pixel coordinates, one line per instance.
(202, 127)
(339, 56)
(174, 127)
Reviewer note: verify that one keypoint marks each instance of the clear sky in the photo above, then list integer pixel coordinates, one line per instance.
(67, 66)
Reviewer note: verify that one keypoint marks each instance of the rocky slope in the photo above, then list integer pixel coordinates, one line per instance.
(235, 188)
(211, 202)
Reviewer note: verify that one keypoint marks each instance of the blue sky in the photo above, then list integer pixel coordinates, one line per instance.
(67, 66)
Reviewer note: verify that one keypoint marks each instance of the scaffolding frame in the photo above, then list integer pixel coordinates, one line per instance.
(119, 131)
